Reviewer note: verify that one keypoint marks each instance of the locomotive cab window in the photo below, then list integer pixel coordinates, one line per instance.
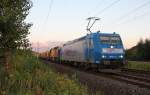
(110, 40)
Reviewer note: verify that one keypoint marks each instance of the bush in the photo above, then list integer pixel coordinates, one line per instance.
(29, 76)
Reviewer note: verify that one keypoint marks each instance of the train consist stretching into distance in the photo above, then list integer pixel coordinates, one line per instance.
(95, 49)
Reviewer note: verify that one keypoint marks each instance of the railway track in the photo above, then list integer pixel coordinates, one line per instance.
(132, 78)
(140, 78)
(136, 72)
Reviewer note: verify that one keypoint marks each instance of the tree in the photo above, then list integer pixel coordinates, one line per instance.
(147, 49)
(140, 52)
(13, 28)
(140, 49)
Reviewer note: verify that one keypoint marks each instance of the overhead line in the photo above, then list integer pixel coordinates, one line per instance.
(107, 7)
(134, 10)
(128, 14)
(139, 16)
(133, 19)
(46, 19)
(97, 6)
(50, 7)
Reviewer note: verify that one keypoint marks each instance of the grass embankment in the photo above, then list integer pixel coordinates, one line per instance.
(138, 65)
(28, 76)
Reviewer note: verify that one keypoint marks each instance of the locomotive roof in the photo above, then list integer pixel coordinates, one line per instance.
(81, 38)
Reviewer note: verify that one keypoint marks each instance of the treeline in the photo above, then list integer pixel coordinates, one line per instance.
(140, 52)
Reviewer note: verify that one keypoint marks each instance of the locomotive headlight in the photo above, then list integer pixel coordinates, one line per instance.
(121, 56)
(103, 56)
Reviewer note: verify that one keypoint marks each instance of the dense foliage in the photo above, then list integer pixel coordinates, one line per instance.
(139, 52)
(29, 76)
(13, 29)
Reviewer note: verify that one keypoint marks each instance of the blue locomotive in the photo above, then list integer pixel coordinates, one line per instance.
(100, 49)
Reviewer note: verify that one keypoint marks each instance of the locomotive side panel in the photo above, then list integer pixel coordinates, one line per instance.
(74, 51)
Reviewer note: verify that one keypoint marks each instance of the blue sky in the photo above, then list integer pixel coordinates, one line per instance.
(64, 20)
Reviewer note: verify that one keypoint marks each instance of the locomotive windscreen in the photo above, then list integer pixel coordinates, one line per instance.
(110, 40)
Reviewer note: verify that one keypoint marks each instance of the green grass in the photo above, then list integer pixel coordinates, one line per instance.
(138, 65)
(28, 76)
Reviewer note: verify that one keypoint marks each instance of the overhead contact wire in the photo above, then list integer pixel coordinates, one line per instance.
(134, 10)
(108, 7)
(50, 8)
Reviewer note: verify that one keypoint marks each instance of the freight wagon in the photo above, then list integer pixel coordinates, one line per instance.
(55, 54)
(45, 55)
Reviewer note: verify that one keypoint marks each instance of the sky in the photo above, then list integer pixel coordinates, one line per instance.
(64, 20)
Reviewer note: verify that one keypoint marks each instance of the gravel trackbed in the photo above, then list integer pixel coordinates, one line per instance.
(101, 84)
